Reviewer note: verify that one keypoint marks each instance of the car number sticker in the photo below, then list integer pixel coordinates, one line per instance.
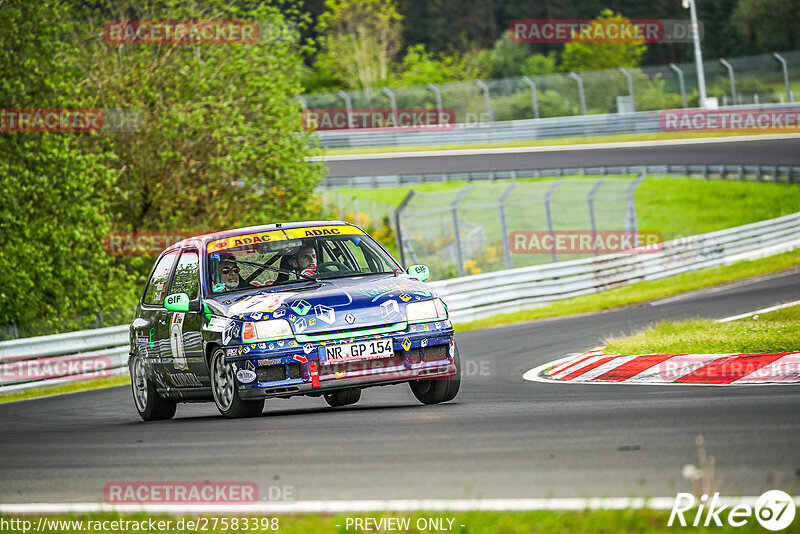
(176, 341)
(363, 350)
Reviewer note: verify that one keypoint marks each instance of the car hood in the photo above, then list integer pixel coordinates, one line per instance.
(330, 305)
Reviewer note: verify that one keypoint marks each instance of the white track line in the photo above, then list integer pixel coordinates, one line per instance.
(395, 505)
(549, 148)
(764, 310)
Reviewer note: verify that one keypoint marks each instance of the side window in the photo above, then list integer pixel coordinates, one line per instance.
(187, 274)
(156, 287)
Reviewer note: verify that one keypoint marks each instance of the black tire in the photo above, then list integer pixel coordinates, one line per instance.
(343, 397)
(434, 391)
(226, 394)
(149, 404)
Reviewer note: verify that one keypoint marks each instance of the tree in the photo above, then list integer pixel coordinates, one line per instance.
(585, 53)
(54, 213)
(360, 40)
(420, 67)
(217, 145)
(767, 25)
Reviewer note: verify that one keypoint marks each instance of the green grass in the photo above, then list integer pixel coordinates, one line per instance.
(533, 143)
(644, 291)
(674, 206)
(778, 331)
(595, 521)
(70, 387)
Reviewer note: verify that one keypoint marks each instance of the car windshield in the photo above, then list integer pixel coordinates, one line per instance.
(280, 257)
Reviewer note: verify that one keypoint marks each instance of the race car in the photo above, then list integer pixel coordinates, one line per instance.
(314, 308)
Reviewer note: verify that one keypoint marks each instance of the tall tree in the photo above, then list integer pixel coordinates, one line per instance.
(360, 40)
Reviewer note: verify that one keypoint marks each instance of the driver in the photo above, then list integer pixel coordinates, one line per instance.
(304, 260)
(229, 273)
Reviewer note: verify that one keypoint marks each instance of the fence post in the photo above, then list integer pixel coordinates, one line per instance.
(487, 98)
(730, 76)
(398, 228)
(374, 214)
(789, 96)
(357, 211)
(392, 101)
(630, 215)
(504, 226)
(438, 97)
(339, 207)
(534, 96)
(627, 74)
(590, 200)
(549, 215)
(679, 72)
(580, 91)
(456, 233)
(347, 105)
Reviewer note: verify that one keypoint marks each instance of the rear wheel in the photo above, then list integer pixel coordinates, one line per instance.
(150, 406)
(226, 394)
(442, 390)
(343, 397)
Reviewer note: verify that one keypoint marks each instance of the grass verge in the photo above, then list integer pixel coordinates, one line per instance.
(534, 142)
(777, 331)
(644, 291)
(117, 380)
(590, 521)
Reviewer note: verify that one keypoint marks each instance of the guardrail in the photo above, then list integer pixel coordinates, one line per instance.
(515, 130)
(478, 296)
(47, 360)
(756, 173)
(33, 362)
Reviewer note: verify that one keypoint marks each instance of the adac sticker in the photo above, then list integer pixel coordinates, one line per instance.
(247, 239)
(318, 231)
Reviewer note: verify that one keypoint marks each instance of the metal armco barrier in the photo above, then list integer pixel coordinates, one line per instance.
(38, 361)
(33, 362)
(478, 296)
(518, 130)
(754, 173)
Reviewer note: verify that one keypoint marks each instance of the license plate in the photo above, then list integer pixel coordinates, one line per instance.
(370, 349)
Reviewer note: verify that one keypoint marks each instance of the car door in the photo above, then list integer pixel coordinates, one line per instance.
(151, 324)
(188, 366)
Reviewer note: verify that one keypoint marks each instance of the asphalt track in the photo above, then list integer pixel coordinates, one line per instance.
(501, 437)
(775, 151)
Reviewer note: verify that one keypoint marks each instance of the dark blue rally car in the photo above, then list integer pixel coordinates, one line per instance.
(315, 308)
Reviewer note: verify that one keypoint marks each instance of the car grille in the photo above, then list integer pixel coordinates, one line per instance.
(365, 365)
(274, 373)
(433, 353)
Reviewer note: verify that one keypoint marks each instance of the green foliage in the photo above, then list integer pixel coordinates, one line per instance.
(361, 39)
(582, 54)
(55, 212)
(217, 146)
(420, 67)
(767, 25)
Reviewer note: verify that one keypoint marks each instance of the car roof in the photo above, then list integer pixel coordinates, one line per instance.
(202, 239)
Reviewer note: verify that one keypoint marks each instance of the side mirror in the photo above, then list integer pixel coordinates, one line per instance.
(420, 272)
(177, 302)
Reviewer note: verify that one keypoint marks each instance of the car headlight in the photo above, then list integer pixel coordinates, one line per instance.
(274, 329)
(426, 310)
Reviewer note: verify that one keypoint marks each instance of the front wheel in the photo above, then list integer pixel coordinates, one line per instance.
(343, 397)
(150, 406)
(226, 394)
(435, 391)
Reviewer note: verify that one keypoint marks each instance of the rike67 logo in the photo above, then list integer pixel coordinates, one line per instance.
(774, 510)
